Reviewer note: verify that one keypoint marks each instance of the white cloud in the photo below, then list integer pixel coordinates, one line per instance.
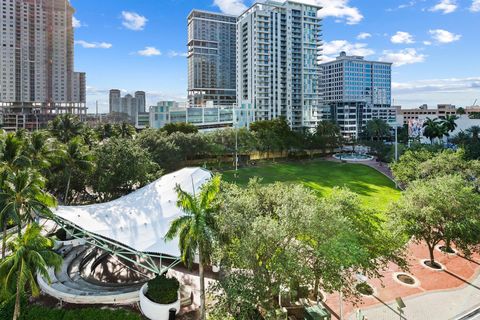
(446, 6)
(235, 7)
(173, 53)
(402, 37)
(339, 9)
(475, 6)
(333, 48)
(440, 85)
(93, 45)
(458, 91)
(427, 43)
(149, 52)
(444, 36)
(133, 21)
(76, 23)
(402, 57)
(363, 36)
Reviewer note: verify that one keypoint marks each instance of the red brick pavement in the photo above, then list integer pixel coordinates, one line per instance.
(458, 272)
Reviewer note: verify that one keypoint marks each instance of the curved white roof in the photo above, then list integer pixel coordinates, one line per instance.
(141, 219)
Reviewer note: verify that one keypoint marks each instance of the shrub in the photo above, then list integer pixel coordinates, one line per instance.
(364, 288)
(163, 290)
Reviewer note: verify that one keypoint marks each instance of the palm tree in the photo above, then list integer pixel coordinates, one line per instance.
(125, 130)
(328, 134)
(12, 152)
(196, 229)
(76, 156)
(65, 127)
(32, 253)
(432, 129)
(448, 124)
(377, 129)
(474, 132)
(106, 130)
(42, 150)
(23, 199)
(90, 137)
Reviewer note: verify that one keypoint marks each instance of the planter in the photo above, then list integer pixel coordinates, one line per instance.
(153, 310)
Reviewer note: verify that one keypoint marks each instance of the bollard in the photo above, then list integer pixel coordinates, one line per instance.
(171, 314)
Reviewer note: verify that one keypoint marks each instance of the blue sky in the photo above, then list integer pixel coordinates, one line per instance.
(140, 45)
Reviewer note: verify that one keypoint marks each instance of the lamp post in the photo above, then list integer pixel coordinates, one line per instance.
(235, 124)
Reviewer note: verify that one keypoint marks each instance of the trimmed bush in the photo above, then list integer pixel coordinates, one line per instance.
(38, 312)
(163, 290)
(364, 288)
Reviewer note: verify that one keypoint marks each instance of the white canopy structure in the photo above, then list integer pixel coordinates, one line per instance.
(135, 223)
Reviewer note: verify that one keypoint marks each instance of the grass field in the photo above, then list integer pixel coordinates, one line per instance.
(374, 189)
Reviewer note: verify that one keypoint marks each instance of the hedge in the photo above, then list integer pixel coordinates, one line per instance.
(37, 312)
(163, 290)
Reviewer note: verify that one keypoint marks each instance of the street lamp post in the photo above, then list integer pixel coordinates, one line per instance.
(396, 142)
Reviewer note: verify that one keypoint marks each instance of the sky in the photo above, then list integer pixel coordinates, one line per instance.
(434, 45)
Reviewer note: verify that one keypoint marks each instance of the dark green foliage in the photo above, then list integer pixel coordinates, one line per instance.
(163, 290)
(37, 312)
(364, 288)
(183, 127)
(121, 166)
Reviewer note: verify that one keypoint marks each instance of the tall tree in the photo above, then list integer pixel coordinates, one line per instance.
(377, 129)
(448, 124)
(65, 127)
(22, 199)
(444, 209)
(182, 127)
(125, 130)
(12, 154)
(327, 135)
(76, 156)
(196, 229)
(121, 166)
(31, 254)
(432, 129)
(106, 131)
(42, 150)
(474, 131)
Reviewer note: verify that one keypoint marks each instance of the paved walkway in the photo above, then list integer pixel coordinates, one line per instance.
(446, 305)
(437, 295)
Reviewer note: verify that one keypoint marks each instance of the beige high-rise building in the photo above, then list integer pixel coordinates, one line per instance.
(37, 80)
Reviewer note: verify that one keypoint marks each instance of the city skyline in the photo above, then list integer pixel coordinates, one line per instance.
(125, 45)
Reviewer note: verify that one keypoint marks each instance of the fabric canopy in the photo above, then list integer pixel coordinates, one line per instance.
(141, 219)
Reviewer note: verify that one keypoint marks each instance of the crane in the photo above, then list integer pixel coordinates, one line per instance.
(474, 103)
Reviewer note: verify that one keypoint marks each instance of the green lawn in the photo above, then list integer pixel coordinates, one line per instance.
(374, 189)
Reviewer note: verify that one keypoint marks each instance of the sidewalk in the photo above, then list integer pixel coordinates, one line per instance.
(437, 295)
(431, 306)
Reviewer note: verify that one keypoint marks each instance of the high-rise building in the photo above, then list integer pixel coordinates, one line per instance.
(211, 58)
(140, 101)
(115, 101)
(356, 91)
(37, 80)
(128, 106)
(278, 48)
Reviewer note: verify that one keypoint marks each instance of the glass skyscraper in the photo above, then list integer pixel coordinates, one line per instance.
(278, 48)
(211, 58)
(356, 91)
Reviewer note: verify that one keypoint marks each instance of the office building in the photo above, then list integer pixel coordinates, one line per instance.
(211, 58)
(140, 101)
(206, 118)
(355, 91)
(115, 101)
(278, 48)
(130, 106)
(422, 112)
(37, 80)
